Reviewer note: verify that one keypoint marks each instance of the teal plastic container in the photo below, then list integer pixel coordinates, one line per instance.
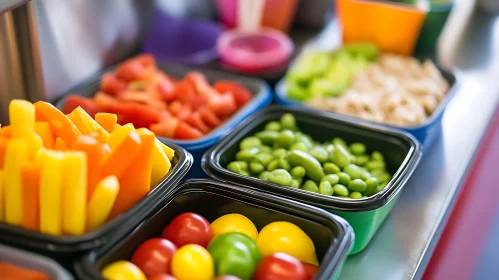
(401, 150)
(433, 25)
(332, 236)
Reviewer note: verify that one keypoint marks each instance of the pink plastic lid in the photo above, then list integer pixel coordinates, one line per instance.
(252, 52)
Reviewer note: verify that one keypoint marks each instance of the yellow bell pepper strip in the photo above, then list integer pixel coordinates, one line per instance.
(16, 155)
(87, 125)
(117, 136)
(95, 152)
(45, 132)
(2, 195)
(160, 164)
(168, 151)
(136, 180)
(22, 120)
(74, 193)
(107, 121)
(51, 192)
(101, 202)
(118, 161)
(62, 125)
(60, 145)
(30, 179)
(3, 149)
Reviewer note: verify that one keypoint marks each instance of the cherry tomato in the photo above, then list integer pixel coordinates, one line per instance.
(310, 269)
(193, 262)
(227, 277)
(280, 266)
(123, 270)
(162, 277)
(188, 228)
(154, 256)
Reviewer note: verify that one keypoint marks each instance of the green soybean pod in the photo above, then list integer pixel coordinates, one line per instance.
(357, 185)
(284, 163)
(235, 167)
(279, 153)
(280, 177)
(355, 195)
(340, 156)
(372, 186)
(285, 138)
(250, 142)
(264, 175)
(247, 155)
(331, 168)
(310, 186)
(298, 172)
(339, 141)
(300, 146)
(353, 171)
(288, 121)
(344, 178)
(326, 188)
(333, 179)
(312, 166)
(273, 126)
(340, 190)
(267, 137)
(358, 149)
(375, 164)
(273, 165)
(256, 168)
(377, 156)
(320, 153)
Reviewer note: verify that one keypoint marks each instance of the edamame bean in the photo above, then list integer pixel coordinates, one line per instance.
(377, 172)
(344, 178)
(359, 160)
(372, 185)
(357, 185)
(285, 138)
(234, 167)
(355, 195)
(288, 121)
(339, 141)
(280, 176)
(326, 188)
(381, 186)
(353, 171)
(377, 156)
(265, 149)
(302, 138)
(250, 142)
(267, 137)
(375, 164)
(365, 175)
(256, 168)
(284, 164)
(296, 183)
(300, 146)
(357, 148)
(247, 155)
(385, 177)
(310, 186)
(312, 166)
(279, 153)
(340, 157)
(298, 172)
(273, 165)
(331, 168)
(329, 148)
(263, 158)
(340, 190)
(273, 126)
(333, 179)
(264, 175)
(320, 153)
(244, 173)
(243, 164)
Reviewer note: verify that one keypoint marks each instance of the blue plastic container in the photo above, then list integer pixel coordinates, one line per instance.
(262, 96)
(426, 133)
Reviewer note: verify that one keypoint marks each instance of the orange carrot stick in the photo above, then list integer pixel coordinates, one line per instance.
(95, 153)
(30, 180)
(119, 159)
(62, 125)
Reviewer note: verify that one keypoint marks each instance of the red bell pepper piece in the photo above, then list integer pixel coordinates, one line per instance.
(75, 101)
(240, 93)
(196, 121)
(111, 85)
(185, 131)
(222, 104)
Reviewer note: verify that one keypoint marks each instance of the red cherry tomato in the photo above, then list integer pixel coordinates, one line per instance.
(227, 277)
(162, 277)
(188, 228)
(154, 256)
(310, 269)
(280, 266)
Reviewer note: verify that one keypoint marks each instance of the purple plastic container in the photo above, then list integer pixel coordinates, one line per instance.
(182, 41)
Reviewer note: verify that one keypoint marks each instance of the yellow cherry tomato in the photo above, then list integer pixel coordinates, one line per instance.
(192, 262)
(123, 270)
(234, 223)
(288, 238)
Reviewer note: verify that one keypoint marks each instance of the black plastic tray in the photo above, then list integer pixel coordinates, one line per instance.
(402, 153)
(63, 248)
(332, 235)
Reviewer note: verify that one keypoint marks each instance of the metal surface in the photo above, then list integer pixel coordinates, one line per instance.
(402, 247)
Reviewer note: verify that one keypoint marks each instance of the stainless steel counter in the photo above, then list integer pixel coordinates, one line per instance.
(405, 242)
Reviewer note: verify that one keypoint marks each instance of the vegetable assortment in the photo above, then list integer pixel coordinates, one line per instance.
(282, 154)
(141, 94)
(230, 248)
(69, 174)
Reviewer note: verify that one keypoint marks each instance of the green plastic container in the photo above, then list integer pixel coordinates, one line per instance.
(433, 25)
(402, 154)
